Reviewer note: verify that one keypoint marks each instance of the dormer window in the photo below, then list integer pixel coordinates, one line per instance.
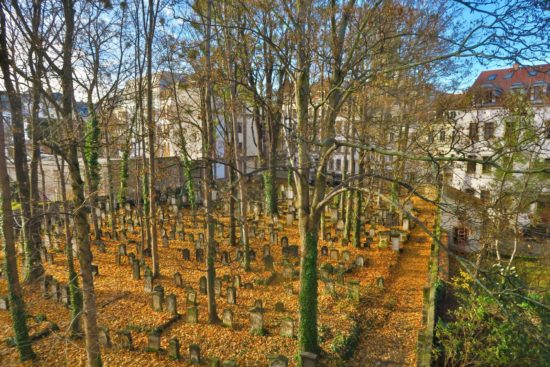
(509, 75)
(532, 73)
(491, 77)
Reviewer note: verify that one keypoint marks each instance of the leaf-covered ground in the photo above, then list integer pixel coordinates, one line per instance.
(389, 319)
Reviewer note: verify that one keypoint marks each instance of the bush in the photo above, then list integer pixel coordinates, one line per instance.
(495, 326)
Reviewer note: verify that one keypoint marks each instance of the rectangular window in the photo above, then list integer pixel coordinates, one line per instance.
(442, 136)
(239, 127)
(430, 136)
(547, 129)
(471, 166)
(489, 131)
(473, 132)
(338, 165)
(331, 165)
(486, 168)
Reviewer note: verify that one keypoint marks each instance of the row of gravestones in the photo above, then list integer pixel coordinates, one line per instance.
(124, 341)
(54, 290)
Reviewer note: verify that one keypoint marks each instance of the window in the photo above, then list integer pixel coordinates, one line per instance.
(391, 137)
(489, 130)
(239, 127)
(547, 129)
(345, 165)
(532, 73)
(537, 92)
(471, 166)
(430, 136)
(331, 165)
(492, 77)
(338, 165)
(509, 75)
(486, 167)
(473, 132)
(485, 196)
(442, 135)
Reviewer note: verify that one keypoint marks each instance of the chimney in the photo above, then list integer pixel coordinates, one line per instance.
(516, 66)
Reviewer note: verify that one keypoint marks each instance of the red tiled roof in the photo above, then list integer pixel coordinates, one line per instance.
(521, 75)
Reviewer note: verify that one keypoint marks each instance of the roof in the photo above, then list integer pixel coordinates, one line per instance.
(518, 76)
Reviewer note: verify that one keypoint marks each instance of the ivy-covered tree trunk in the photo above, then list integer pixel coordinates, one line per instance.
(75, 293)
(15, 295)
(33, 265)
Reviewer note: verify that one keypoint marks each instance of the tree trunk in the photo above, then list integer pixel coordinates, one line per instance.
(74, 290)
(80, 218)
(151, 126)
(33, 265)
(15, 295)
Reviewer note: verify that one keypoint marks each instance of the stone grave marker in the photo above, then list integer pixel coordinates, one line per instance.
(334, 255)
(194, 354)
(192, 315)
(171, 304)
(153, 342)
(203, 285)
(103, 337)
(287, 327)
(178, 280)
(278, 361)
(124, 339)
(256, 321)
(227, 318)
(231, 295)
(324, 251)
(191, 297)
(268, 263)
(174, 349)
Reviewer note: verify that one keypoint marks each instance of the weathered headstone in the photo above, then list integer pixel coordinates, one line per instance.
(191, 297)
(186, 254)
(4, 304)
(192, 315)
(203, 285)
(278, 361)
(103, 337)
(217, 287)
(136, 270)
(148, 279)
(346, 255)
(308, 359)
(257, 321)
(231, 295)
(268, 263)
(227, 318)
(287, 327)
(324, 251)
(158, 301)
(171, 304)
(174, 349)
(359, 261)
(194, 354)
(334, 255)
(153, 342)
(178, 280)
(279, 307)
(124, 339)
(237, 281)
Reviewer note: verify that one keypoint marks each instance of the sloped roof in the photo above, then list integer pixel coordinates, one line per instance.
(506, 79)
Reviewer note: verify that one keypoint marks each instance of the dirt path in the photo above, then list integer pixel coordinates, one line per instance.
(391, 319)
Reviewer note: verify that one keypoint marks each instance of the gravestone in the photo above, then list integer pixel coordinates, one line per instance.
(148, 277)
(237, 281)
(229, 363)
(289, 219)
(171, 304)
(131, 258)
(360, 261)
(165, 242)
(203, 285)
(118, 259)
(308, 359)
(192, 316)
(279, 307)
(153, 342)
(135, 270)
(256, 321)
(231, 295)
(54, 290)
(199, 255)
(334, 255)
(346, 256)
(324, 251)
(178, 281)
(225, 258)
(174, 349)
(340, 225)
(124, 339)
(194, 354)
(122, 249)
(258, 303)
(217, 287)
(284, 241)
(227, 318)
(354, 290)
(268, 263)
(186, 254)
(158, 300)
(380, 282)
(103, 336)
(278, 361)
(4, 303)
(64, 295)
(267, 250)
(191, 297)
(330, 288)
(287, 327)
